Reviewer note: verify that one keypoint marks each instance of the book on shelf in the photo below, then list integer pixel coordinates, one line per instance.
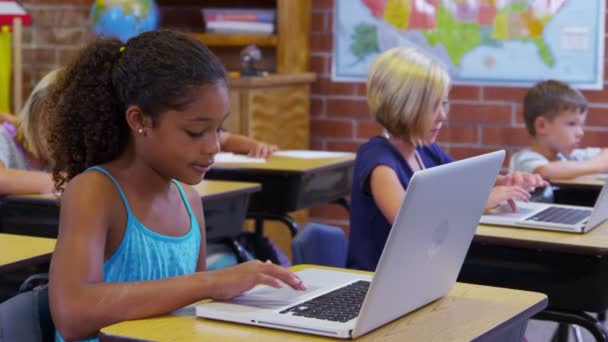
(239, 14)
(240, 27)
(239, 20)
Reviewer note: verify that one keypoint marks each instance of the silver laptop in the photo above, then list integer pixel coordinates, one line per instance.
(567, 218)
(419, 264)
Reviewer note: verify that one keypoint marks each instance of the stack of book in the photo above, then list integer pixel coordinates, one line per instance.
(239, 20)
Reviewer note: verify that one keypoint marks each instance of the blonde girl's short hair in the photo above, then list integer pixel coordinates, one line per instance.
(31, 121)
(404, 88)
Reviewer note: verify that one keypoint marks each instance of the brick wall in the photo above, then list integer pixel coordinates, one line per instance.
(481, 119)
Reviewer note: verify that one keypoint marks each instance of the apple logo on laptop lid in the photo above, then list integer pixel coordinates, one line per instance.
(440, 233)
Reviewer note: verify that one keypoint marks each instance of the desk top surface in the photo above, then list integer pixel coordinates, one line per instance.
(21, 248)
(212, 189)
(595, 241)
(467, 312)
(208, 189)
(592, 181)
(289, 164)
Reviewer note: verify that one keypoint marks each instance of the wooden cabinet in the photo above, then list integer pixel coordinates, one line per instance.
(274, 108)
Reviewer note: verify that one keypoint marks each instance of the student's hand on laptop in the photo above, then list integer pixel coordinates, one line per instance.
(506, 193)
(529, 181)
(263, 150)
(233, 281)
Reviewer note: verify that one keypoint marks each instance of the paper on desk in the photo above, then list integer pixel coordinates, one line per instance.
(227, 157)
(307, 154)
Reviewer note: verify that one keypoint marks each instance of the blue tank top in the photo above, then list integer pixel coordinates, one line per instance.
(146, 255)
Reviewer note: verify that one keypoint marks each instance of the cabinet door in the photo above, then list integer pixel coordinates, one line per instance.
(278, 115)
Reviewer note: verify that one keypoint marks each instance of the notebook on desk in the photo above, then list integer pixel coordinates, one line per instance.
(567, 218)
(419, 264)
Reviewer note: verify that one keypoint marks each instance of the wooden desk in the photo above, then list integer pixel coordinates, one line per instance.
(580, 190)
(572, 269)
(594, 182)
(468, 312)
(225, 208)
(19, 250)
(290, 184)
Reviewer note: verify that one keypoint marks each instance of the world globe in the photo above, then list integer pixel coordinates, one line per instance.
(123, 19)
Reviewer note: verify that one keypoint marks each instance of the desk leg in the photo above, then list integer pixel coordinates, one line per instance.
(574, 317)
(259, 219)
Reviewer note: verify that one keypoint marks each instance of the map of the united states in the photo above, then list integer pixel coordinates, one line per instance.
(460, 26)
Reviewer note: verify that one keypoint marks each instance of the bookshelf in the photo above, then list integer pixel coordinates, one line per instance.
(240, 40)
(285, 51)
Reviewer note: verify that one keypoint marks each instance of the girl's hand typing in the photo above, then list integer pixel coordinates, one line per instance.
(233, 281)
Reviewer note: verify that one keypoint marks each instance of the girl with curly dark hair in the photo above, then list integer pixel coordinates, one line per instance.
(129, 123)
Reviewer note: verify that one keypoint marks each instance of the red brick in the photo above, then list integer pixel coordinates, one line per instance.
(455, 133)
(330, 20)
(40, 56)
(368, 129)
(317, 106)
(596, 138)
(480, 113)
(596, 95)
(519, 115)
(61, 36)
(316, 4)
(76, 16)
(57, 2)
(598, 116)
(504, 94)
(505, 136)
(343, 146)
(67, 54)
(465, 93)
(317, 144)
(331, 128)
(329, 211)
(324, 86)
(321, 42)
(362, 88)
(320, 65)
(347, 108)
(319, 22)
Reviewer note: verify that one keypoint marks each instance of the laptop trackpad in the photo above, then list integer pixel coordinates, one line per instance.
(265, 297)
(505, 211)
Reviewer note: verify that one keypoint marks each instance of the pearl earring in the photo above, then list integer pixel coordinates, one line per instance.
(140, 131)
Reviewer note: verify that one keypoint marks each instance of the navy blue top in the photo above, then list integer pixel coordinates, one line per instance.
(368, 227)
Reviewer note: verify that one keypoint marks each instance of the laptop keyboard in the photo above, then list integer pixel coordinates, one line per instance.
(561, 215)
(339, 305)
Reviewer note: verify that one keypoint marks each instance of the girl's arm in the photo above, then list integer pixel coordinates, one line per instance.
(241, 144)
(81, 303)
(16, 182)
(387, 191)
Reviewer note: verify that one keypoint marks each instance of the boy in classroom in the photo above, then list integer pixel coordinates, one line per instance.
(555, 114)
(23, 159)
(133, 123)
(407, 94)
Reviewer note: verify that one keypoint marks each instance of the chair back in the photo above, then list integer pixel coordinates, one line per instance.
(319, 244)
